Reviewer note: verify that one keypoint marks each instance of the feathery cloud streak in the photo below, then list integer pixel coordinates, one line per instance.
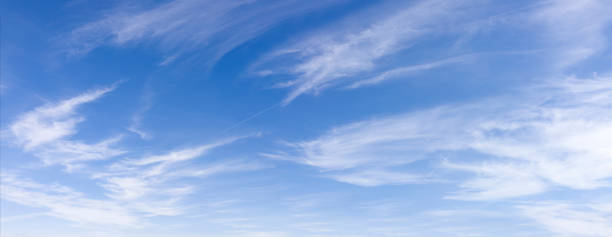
(153, 185)
(557, 136)
(135, 188)
(133, 192)
(327, 57)
(574, 28)
(131, 179)
(66, 203)
(181, 26)
(357, 55)
(53, 122)
(46, 130)
(567, 219)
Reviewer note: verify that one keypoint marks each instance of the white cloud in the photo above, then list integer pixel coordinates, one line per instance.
(370, 178)
(363, 153)
(559, 139)
(574, 27)
(378, 142)
(179, 155)
(402, 71)
(22, 217)
(152, 184)
(568, 219)
(180, 26)
(499, 180)
(557, 135)
(357, 54)
(70, 153)
(52, 122)
(218, 168)
(65, 203)
(135, 126)
(135, 188)
(46, 130)
(330, 56)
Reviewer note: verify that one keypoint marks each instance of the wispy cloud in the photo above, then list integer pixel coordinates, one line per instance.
(556, 140)
(136, 188)
(403, 71)
(574, 28)
(46, 130)
(179, 155)
(22, 217)
(533, 154)
(181, 26)
(359, 54)
(52, 122)
(377, 151)
(63, 202)
(152, 183)
(71, 153)
(374, 177)
(136, 125)
(567, 219)
(326, 58)
(556, 136)
(499, 180)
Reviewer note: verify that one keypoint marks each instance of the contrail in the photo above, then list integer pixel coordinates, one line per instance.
(251, 117)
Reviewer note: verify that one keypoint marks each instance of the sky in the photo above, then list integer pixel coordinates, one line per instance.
(288, 118)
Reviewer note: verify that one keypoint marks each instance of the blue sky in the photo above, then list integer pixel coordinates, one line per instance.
(306, 118)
